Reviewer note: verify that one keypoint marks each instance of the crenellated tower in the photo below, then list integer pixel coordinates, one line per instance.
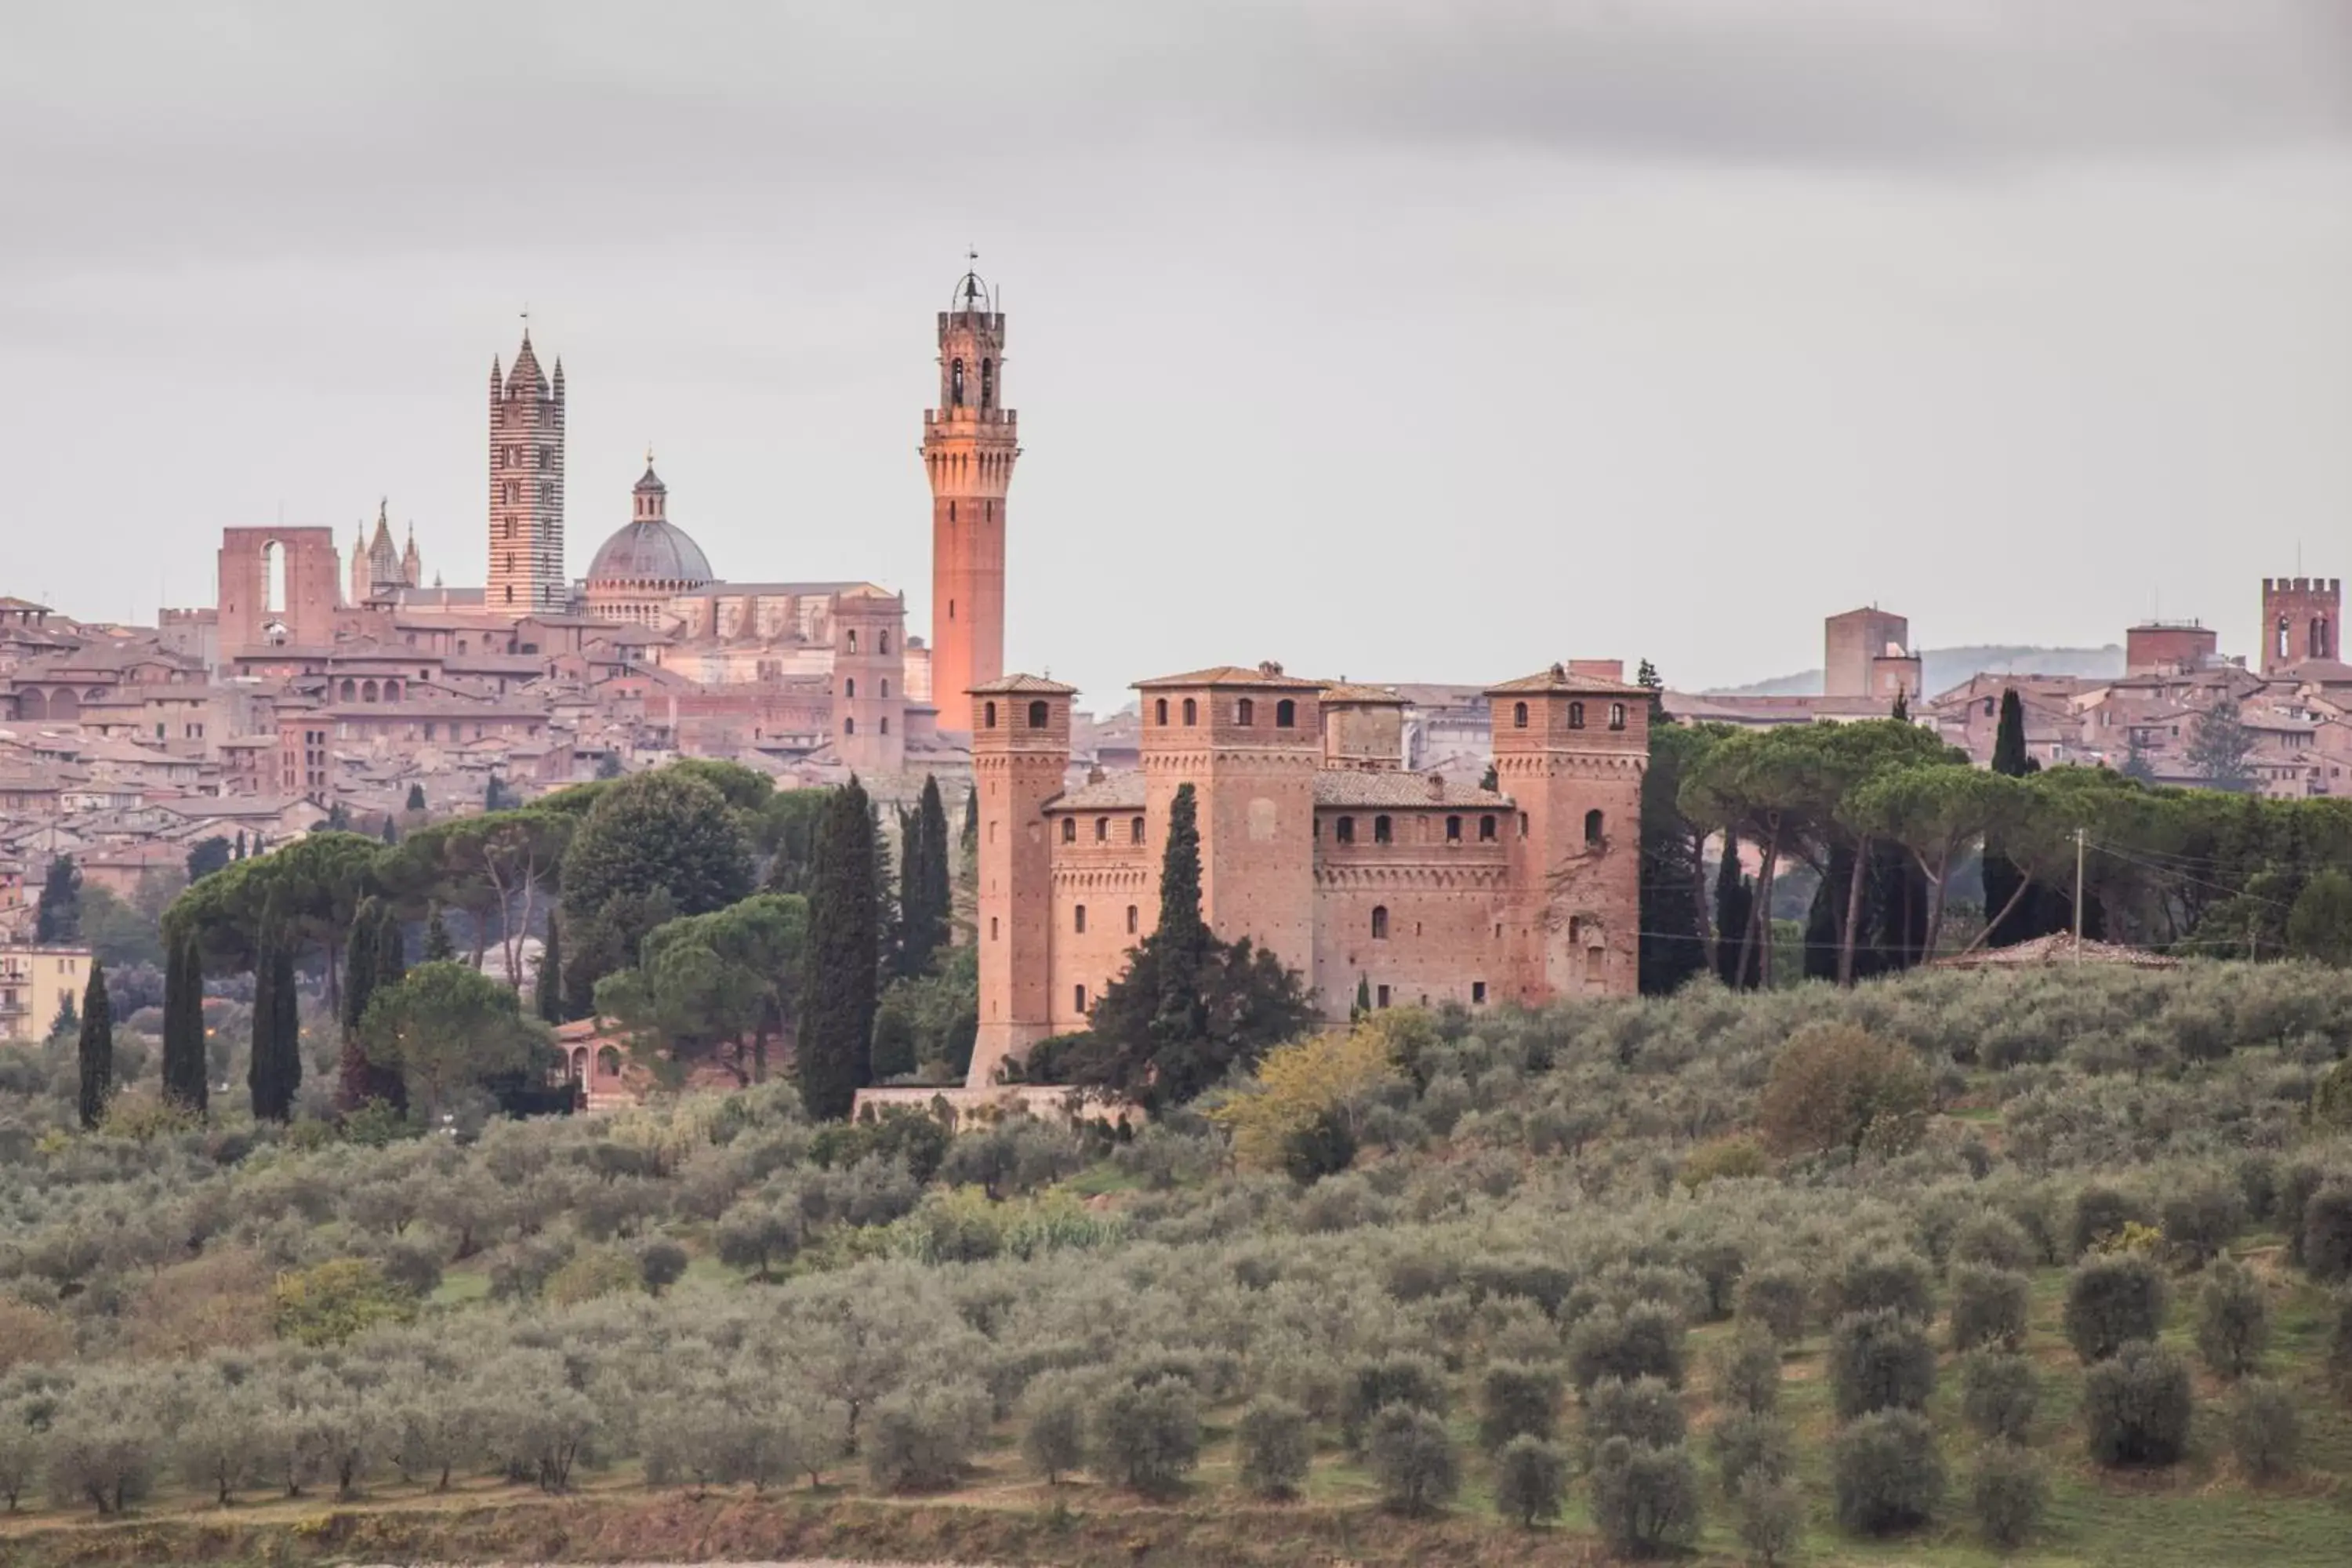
(526, 574)
(970, 443)
(1020, 749)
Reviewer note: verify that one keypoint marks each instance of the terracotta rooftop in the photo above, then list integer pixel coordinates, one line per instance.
(1388, 787)
(1120, 792)
(1560, 678)
(1022, 686)
(1385, 696)
(1268, 675)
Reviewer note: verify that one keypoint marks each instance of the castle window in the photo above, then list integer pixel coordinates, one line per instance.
(988, 383)
(849, 686)
(1135, 830)
(1379, 922)
(1078, 997)
(1989, 701)
(2319, 636)
(988, 715)
(1133, 917)
(1380, 995)
(1592, 826)
(1344, 830)
(1079, 923)
(992, 927)
(853, 639)
(1286, 714)
(1382, 831)
(885, 726)
(1454, 831)
(849, 726)
(885, 683)
(1519, 715)
(1192, 712)
(1576, 715)
(1159, 711)
(2282, 650)
(1477, 992)
(1102, 829)
(350, 689)
(1487, 830)
(1038, 716)
(1616, 715)
(1244, 711)
(955, 384)
(369, 691)
(1069, 830)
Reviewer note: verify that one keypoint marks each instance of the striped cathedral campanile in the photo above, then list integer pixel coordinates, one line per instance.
(527, 488)
(970, 442)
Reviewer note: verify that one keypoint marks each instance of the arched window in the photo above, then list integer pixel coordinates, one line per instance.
(2282, 648)
(1519, 715)
(1078, 920)
(608, 1062)
(370, 692)
(1454, 831)
(1486, 828)
(1069, 830)
(1038, 716)
(1159, 711)
(1576, 715)
(955, 384)
(273, 577)
(1102, 829)
(992, 927)
(1134, 917)
(849, 686)
(1593, 824)
(2319, 636)
(882, 645)
(849, 726)
(1344, 830)
(580, 1064)
(1286, 714)
(1379, 922)
(988, 715)
(1383, 832)
(1616, 715)
(350, 689)
(1244, 711)
(392, 691)
(988, 383)
(853, 639)
(1135, 830)
(1192, 712)
(1078, 997)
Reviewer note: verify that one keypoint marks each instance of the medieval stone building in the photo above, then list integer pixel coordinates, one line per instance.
(1315, 843)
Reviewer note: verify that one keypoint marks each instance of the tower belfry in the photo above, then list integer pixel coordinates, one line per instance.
(526, 573)
(970, 443)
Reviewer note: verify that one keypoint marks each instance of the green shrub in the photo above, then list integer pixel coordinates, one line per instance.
(1746, 1442)
(1410, 1380)
(1989, 1306)
(920, 1439)
(1411, 1456)
(1888, 1474)
(2007, 1494)
(1643, 1341)
(661, 1263)
(1517, 1399)
(2233, 1319)
(1530, 1480)
(2137, 1406)
(1645, 1501)
(2201, 1220)
(1147, 1436)
(1880, 1361)
(1644, 1410)
(2100, 1214)
(1992, 1238)
(1277, 1448)
(2301, 1180)
(2265, 1432)
(1053, 1426)
(2327, 1234)
(1875, 1279)
(1770, 1515)
(1747, 1369)
(1999, 1394)
(2257, 1175)
(2111, 1298)
(1778, 1296)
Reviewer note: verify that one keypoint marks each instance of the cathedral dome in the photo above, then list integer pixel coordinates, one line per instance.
(652, 549)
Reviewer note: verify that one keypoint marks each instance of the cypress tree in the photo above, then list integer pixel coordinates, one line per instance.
(2001, 877)
(57, 916)
(1735, 901)
(438, 948)
(549, 994)
(886, 924)
(385, 1082)
(276, 1070)
(1183, 937)
(1364, 997)
(416, 797)
(359, 962)
(971, 819)
(184, 1066)
(240, 843)
(923, 899)
(834, 1049)
(97, 1051)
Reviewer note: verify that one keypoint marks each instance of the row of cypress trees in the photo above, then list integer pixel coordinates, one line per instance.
(375, 957)
(276, 1073)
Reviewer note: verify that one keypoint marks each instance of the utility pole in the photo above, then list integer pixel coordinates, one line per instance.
(2079, 836)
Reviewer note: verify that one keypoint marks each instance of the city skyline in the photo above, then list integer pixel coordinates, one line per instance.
(2026, 365)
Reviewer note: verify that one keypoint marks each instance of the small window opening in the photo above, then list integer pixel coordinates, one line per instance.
(1382, 831)
(1616, 715)
(1380, 997)
(1078, 920)
(1344, 830)
(1192, 712)
(1519, 715)
(1133, 918)
(1245, 713)
(1102, 829)
(1286, 714)
(1379, 922)
(1592, 826)
(1159, 711)
(1487, 830)
(1078, 997)
(1454, 831)
(1037, 716)
(988, 715)
(1135, 830)
(1477, 992)
(1069, 830)
(1576, 715)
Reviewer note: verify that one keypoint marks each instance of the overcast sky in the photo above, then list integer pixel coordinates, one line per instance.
(1427, 341)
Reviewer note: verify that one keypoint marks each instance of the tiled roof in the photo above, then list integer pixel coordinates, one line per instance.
(1120, 792)
(1344, 786)
(1023, 685)
(1263, 676)
(1560, 678)
(1348, 691)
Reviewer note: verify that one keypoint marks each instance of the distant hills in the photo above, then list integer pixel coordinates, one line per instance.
(1941, 668)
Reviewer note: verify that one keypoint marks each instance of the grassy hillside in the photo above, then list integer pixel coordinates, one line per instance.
(657, 1335)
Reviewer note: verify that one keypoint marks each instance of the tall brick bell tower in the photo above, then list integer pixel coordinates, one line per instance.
(970, 442)
(527, 490)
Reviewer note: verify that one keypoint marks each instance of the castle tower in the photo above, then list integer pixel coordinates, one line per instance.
(1571, 745)
(1020, 749)
(970, 442)
(869, 680)
(1249, 742)
(527, 488)
(2300, 617)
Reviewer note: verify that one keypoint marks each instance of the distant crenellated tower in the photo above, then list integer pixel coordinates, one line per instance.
(527, 488)
(2300, 615)
(970, 443)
